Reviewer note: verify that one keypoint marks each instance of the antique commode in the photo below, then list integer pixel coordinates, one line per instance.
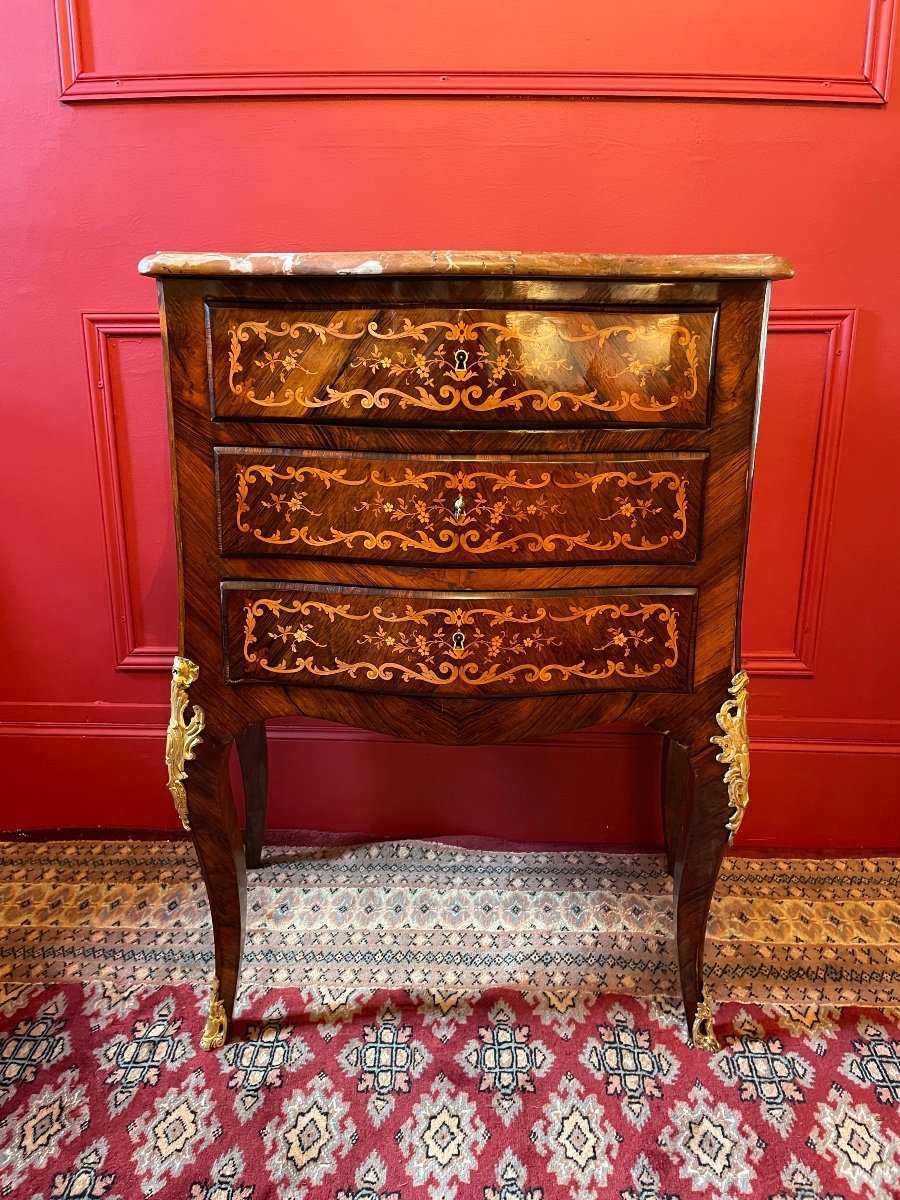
(461, 497)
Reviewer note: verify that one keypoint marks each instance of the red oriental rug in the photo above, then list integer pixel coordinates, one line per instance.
(398, 1095)
(398, 1073)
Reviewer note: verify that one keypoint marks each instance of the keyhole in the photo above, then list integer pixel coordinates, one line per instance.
(462, 359)
(459, 507)
(459, 640)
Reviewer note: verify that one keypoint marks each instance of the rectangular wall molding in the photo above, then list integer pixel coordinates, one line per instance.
(95, 64)
(838, 326)
(130, 654)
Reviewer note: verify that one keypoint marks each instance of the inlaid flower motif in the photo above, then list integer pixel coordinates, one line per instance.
(625, 639)
(634, 508)
(460, 644)
(291, 504)
(295, 635)
(437, 357)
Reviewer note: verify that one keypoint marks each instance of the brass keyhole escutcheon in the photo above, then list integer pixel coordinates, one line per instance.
(459, 640)
(461, 358)
(459, 507)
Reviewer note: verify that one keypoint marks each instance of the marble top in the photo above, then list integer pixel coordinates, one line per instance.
(472, 262)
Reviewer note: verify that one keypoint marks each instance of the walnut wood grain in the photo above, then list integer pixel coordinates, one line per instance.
(254, 760)
(675, 786)
(219, 559)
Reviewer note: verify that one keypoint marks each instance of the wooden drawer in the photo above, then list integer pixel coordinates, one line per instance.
(446, 367)
(384, 508)
(459, 644)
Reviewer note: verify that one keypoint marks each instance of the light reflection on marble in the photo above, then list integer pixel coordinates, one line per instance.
(472, 262)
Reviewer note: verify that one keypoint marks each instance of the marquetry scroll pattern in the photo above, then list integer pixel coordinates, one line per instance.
(472, 511)
(474, 646)
(432, 363)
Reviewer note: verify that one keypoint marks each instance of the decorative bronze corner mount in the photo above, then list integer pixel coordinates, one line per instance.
(735, 750)
(216, 1027)
(702, 1033)
(182, 735)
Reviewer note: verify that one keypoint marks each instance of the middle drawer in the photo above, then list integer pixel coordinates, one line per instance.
(606, 508)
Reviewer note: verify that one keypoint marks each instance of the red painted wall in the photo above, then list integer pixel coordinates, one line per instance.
(91, 183)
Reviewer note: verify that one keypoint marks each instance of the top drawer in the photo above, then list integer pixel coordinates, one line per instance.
(450, 367)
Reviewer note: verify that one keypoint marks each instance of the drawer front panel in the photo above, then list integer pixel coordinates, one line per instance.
(452, 644)
(437, 367)
(609, 508)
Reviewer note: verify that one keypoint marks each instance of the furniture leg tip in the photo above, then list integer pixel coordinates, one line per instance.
(216, 1028)
(703, 1034)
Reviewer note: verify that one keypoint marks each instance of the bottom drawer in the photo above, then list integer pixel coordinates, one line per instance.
(459, 644)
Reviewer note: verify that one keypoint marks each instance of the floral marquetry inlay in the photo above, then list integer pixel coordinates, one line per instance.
(634, 365)
(525, 644)
(557, 511)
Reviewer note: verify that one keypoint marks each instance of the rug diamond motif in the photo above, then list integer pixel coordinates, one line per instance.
(533, 1050)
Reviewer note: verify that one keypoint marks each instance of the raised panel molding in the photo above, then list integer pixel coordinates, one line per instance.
(838, 326)
(130, 653)
(867, 85)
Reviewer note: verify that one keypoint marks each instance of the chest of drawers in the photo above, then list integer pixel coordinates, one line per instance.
(461, 498)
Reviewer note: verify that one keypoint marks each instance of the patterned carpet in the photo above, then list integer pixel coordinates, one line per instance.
(419, 1020)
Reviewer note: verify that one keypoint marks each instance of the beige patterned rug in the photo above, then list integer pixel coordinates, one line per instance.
(424, 914)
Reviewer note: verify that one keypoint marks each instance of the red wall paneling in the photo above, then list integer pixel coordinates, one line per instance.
(830, 50)
(380, 782)
(807, 373)
(443, 157)
(124, 365)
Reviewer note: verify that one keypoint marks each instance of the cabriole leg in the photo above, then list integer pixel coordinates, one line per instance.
(254, 760)
(719, 798)
(695, 878)
(202, 796)
(220, 849)
(675, 795)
